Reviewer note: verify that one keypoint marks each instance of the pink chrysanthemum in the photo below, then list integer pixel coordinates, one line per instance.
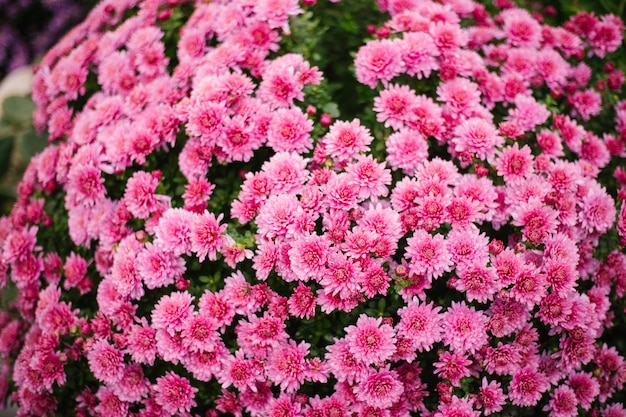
(428, 254)
(464, 328)
(172, 311)
(371, 341)
(173, 233)
(308, 256)
(344, 365)
(345, 140)
(563, 402)
(158, 268)
(260, 335)
(586, 388)
(199, 333)
(527, 386)
(302, 302)
(393, 104)
(419, 54)
(379, 389)
(378, 60)
(286, 366)
(239, 372)
(421, 323)
(490, 397)
(478, 136)
(514, 162)
(174, 393)
(106, 362)
(133, 386)
(479, 282)
(456, 407)
(289, 131)
(598, 211)
(206, 235)
(139, 194)
(528, 113)
(406, 149)
(460, 95)
(453, 367)
(342, 276)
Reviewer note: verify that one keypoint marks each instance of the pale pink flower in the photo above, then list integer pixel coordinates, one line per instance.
(478, 136)
(286, 173)
(85, 185)
(342, 276)
(447, 36)
(520, 28)
(528, 113)
(133, 386)
(173, 232)
(464, 328)
(406, 149)
(378, 60)
(460, 95)
(139, 194)
(392, 105)
(141, 343)
(598, 211)
(174, 393)
(289, 131)
(371, 177)
(419, 54)
(346, 140)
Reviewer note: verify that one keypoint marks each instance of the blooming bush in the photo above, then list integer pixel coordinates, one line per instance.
(236, 215)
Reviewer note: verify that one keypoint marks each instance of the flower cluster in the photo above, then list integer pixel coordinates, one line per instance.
(201, 236)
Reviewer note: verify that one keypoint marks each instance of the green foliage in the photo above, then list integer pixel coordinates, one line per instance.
(18, 143)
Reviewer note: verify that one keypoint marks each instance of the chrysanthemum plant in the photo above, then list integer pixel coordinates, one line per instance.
(273, 208)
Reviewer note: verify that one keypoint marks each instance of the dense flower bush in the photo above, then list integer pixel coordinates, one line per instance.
(274, 208)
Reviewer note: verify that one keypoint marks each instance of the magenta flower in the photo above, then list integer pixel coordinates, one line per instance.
(174, 393)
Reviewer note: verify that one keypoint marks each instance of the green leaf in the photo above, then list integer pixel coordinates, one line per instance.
(332, 109)
(31, 143)
(18, 110)
(6, 146)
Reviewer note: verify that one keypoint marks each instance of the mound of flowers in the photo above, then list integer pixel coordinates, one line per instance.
(274, 208)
